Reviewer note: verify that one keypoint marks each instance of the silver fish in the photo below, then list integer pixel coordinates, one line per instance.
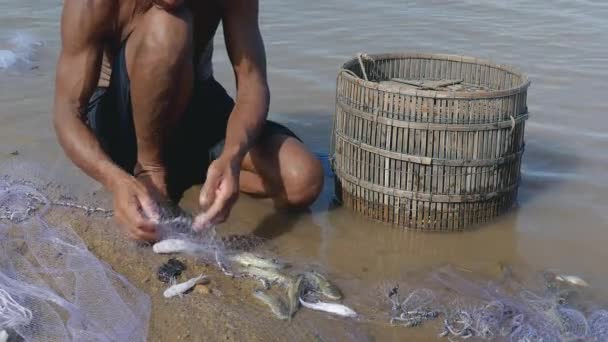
(180, 288)
(572, 279)
(169, 246)
(333, 308)
(249, 259)
(277, 307)
(293, 294)
(322, 285)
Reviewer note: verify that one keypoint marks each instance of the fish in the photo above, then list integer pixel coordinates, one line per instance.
(249, 259)
(333, 308)
(272, 276)
(323, 285)
(293, 294)
(277, 307)
(572, 279)
(170, 246)
(179, 289)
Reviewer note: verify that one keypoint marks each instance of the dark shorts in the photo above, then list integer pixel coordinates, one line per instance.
(199, 137)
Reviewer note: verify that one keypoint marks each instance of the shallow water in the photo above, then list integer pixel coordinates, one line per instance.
(561, 219)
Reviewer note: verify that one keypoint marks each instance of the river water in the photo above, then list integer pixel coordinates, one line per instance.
(562, 217)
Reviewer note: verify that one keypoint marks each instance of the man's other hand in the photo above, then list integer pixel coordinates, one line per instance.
(135, 209)
(219, 193)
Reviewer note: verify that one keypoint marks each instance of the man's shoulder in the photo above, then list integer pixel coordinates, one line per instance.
(90, 9)
(95, 15)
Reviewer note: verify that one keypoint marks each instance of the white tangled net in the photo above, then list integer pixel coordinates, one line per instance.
(52, 288)
(464, 308)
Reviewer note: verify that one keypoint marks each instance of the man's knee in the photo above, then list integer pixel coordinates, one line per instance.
(304, 182)
(162, 39)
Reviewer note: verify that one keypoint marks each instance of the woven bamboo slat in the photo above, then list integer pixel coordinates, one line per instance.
(429, 142)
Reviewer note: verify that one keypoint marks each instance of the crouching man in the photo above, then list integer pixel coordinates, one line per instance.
(137, 109)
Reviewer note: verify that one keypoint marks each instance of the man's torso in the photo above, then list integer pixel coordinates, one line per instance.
(206, 18)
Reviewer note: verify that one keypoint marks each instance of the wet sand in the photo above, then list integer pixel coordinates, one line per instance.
(561, 218)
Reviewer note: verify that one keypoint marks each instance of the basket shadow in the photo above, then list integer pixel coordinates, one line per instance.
(544, 168)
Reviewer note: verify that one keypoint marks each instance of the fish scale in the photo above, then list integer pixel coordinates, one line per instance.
(322, 285)
(277, 307)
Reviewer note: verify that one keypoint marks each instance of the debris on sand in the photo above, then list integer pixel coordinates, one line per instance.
(202, 289)
(172, 269)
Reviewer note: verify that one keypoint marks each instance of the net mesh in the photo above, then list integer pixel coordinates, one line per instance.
(53, 287)
(598, 325)
(74, 296)
(46, 270)
(509, 311)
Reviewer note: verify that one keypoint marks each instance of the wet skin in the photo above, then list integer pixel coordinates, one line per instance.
(164, 41)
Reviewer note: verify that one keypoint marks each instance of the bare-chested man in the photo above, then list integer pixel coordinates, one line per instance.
(137, 108)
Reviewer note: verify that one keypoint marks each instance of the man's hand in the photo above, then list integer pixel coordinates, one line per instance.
(135, 209)
(219, 193)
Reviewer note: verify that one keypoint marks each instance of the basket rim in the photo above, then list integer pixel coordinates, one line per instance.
(344, 72)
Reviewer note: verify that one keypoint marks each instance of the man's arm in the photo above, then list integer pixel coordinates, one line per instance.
(84, 26)
(246, 51)
(245, 48)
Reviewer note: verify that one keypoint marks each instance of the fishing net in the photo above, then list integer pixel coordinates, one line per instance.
(489, 310)
(461, 306)
(52, 288)
(208, 246)
(598, 325)
(73, 289)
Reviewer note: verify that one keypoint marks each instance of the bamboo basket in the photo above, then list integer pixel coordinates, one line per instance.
(428, 142)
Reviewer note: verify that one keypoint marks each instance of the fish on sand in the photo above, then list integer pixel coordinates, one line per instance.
(323, 286)
(269, 275)
(293, 294)
(179, 289)
(278, 308)
(572, 280)
(333, 308)
(170, 246)
(249, 259)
